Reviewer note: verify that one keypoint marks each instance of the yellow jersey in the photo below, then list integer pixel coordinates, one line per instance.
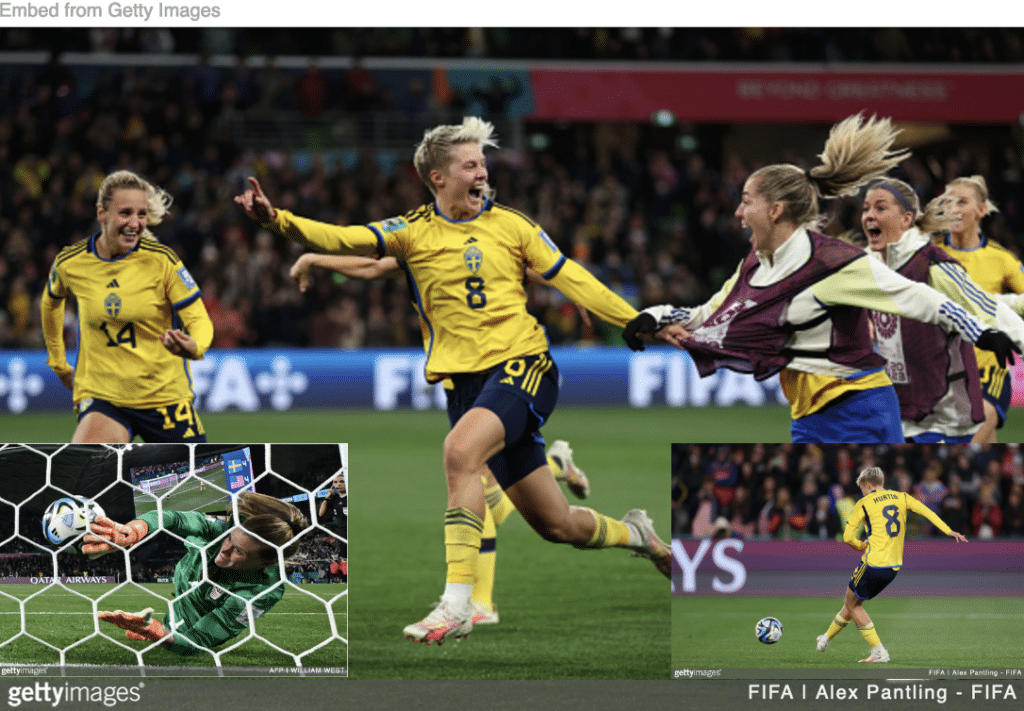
(124, 306)
(884, 513)
(996, 270)
(467, 279)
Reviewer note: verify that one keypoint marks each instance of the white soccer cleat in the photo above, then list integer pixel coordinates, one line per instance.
(573, 476)
(651, 547)
(483, 616)
(822, 642)
(440, 625)
(882, 656)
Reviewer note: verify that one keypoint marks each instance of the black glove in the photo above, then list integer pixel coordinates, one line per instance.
(643, 323)
(1000, 344)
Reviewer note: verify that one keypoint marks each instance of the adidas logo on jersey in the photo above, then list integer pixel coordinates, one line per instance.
(113, 284)
(471, 240)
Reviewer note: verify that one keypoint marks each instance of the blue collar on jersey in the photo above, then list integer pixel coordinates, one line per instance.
(949, 243)
(485, 208)
(92, 248)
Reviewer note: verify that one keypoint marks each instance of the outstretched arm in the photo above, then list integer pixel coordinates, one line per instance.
(320, 236)
(353, 267)
(870, 284)
(584, 289)
(952, 280)
(919, 508)
(674, 325)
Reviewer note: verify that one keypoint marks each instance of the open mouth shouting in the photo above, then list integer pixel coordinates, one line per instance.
(874, 235)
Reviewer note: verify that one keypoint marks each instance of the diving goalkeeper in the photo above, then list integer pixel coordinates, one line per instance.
(884, 513)
(239, 569)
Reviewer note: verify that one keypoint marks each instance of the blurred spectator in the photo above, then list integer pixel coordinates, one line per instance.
(1013, 512)
(824, 521)
(312, 92)
(725, 475)
(931, 492)
(987, 517)
(704, 510)
(740, 514)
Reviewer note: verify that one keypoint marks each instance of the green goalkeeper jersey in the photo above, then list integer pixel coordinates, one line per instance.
(213, 612)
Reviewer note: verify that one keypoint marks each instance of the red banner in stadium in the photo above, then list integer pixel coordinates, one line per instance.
(800, 95)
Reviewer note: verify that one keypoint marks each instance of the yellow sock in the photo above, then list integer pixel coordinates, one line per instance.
(870, 636)
(462, 534)
(608, 532)
(483, 585)
(499, 504)
(553, 466)
(837, 626)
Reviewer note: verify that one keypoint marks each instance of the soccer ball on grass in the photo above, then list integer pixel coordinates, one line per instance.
(768, 630)
(68, 518)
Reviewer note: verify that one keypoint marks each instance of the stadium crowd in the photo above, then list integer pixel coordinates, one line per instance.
(19, 560)
(794, 491)
(648, 209)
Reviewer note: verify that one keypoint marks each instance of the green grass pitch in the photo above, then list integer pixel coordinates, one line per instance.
(919, 632)
(366, 427)
(63, 617)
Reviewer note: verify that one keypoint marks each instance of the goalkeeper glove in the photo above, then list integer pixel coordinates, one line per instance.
(1000, 344)
(138, 628)
(643, 323)
(106, 536)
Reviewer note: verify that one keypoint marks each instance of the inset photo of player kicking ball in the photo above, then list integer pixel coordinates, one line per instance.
(835, 556)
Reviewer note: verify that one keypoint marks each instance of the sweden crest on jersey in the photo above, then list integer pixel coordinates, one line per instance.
(473, 258)
(112, 305)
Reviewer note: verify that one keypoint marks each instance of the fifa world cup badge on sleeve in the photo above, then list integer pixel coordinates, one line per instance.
(393, 224)
(548, 241)
(186, 278)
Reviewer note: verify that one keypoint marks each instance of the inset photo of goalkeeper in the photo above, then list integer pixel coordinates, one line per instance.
(193, 559)
(846, 557)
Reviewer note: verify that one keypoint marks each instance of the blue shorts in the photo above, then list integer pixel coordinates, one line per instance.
(868, 582)
(997, 388)
(865, 417)
(169, 423)
(522, 392)
(939, 438)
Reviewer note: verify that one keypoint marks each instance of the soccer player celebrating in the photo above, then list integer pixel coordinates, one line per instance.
(141, 321)
(933, 369)
(224, 571)
(499, 507)
(997, 271)
(465, 256)
(796, 305)
(884, 512)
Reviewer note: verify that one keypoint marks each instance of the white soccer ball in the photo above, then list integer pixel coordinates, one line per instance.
(69, 518)
(768, 630)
